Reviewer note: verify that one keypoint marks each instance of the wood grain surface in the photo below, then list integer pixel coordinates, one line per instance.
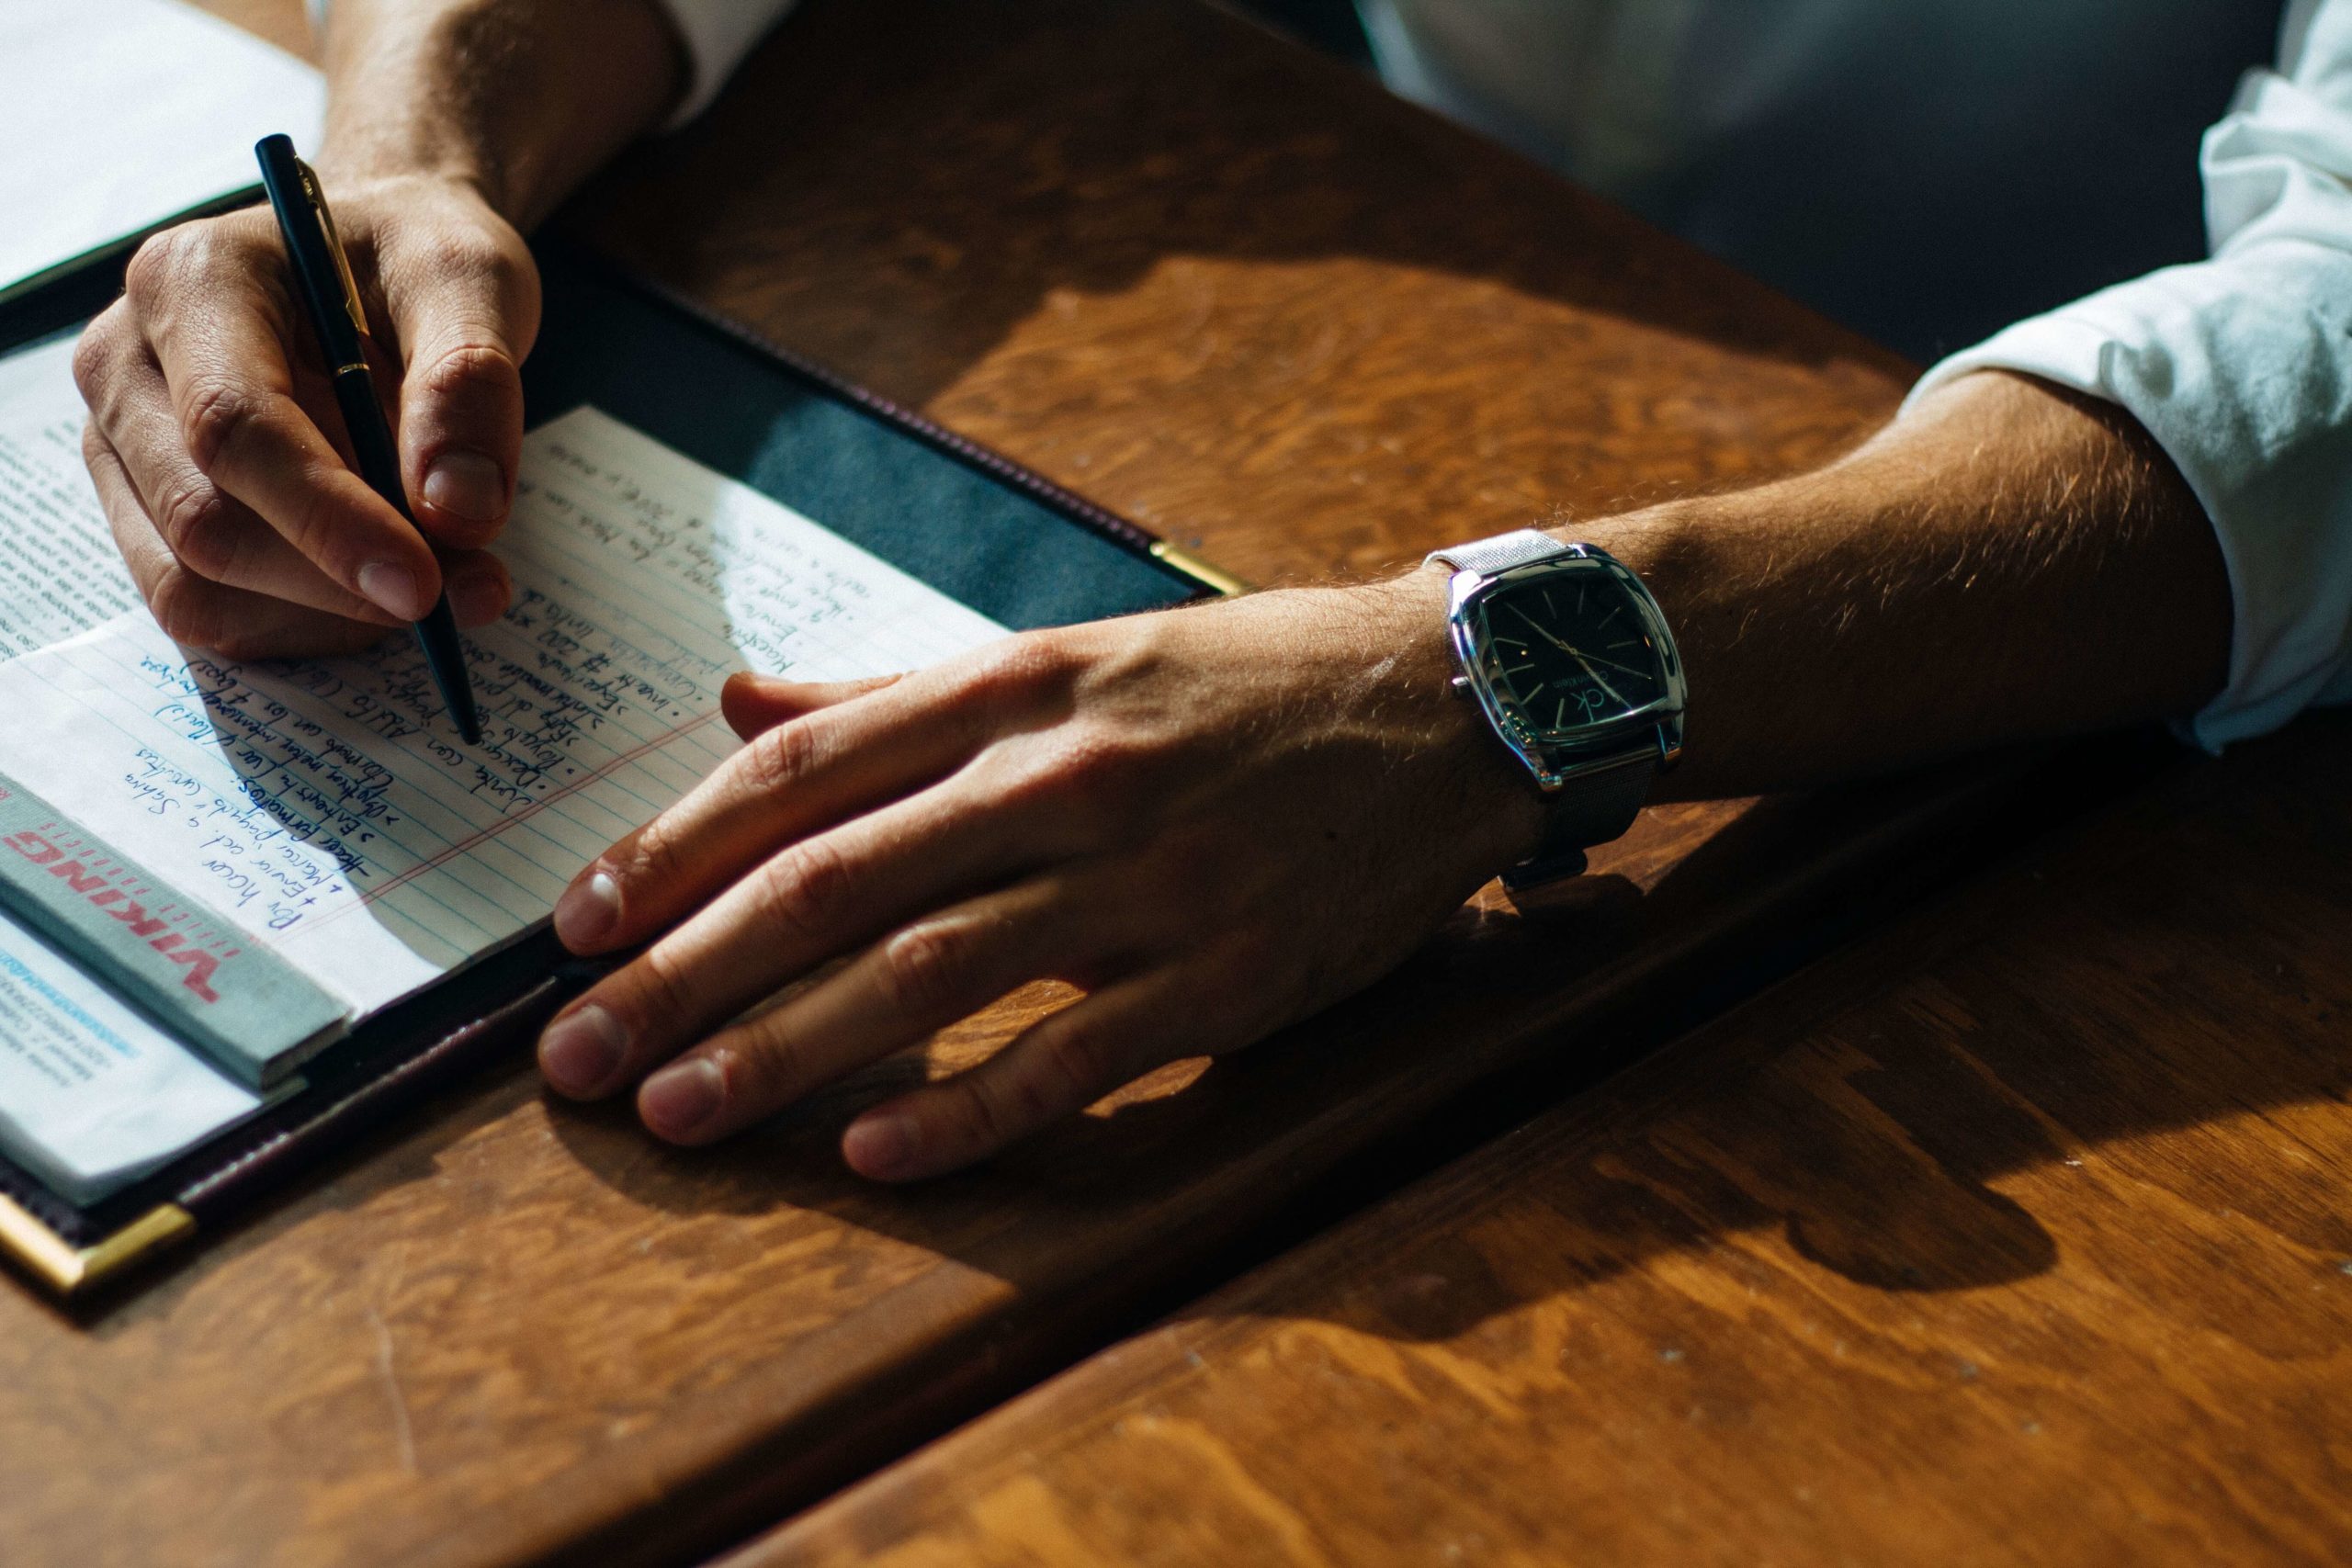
(2015, 1235)
(1223, 286)
(1237, 293)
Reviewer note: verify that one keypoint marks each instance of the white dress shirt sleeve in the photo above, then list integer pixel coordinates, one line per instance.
(717, 35)
(2240, 367)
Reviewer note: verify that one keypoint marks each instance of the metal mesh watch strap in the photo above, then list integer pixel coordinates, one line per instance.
(1487, 558)
(1583, 812)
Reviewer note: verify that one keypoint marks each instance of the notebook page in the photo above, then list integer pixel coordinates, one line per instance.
(92, 1094)
(117, 114)
(60, 572)
(328, 808)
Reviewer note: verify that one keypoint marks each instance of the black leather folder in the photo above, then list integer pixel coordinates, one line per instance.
(963, 519)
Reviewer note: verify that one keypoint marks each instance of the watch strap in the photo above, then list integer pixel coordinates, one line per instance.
(1590, 809)
(1491, 557)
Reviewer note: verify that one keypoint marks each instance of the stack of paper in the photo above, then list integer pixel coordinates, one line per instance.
(322, 809)
(119, 114)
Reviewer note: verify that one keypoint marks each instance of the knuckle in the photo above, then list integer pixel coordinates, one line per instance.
(94, 355)
(195, 521)
(658, 990)
(511, 275)
(318, 525)
(655, 859)
(1088, 780)
(470, 367)
(185, 605)
(927, 966)
(1073, 1070)
(1015, 668)
(244, 644)
(803, 892)
(485, 259)
(218, 413)
(763, 1070)
(780, 759)
(464, 252)
(1101, 763)
(157, 261)
(978, 1118)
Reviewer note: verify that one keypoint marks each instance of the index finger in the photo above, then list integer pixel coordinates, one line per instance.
(785, 783)
(222, 348)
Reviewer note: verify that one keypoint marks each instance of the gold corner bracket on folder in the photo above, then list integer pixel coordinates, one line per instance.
(69, 1270)
(1199, 571)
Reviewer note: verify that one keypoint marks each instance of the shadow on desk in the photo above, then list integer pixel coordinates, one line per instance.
(1238, 251)
(1879, 1155)
(2174, 997)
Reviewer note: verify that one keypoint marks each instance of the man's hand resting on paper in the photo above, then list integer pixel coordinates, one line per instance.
(1215, 820)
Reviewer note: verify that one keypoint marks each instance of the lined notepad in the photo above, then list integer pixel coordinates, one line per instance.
(326, 809)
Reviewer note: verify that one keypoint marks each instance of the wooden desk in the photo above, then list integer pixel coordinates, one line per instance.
(2016, 1235)
(1241, 295)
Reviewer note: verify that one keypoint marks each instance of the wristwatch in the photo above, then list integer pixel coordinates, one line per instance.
(1569, 658)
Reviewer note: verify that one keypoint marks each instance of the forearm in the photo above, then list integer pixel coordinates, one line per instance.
(2005, 563)
(521, 99)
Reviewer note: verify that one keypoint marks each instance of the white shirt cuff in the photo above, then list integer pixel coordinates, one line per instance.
(717, 35)
(2235, 367)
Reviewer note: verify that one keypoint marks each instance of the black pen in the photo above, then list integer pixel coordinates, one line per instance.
(332, 298)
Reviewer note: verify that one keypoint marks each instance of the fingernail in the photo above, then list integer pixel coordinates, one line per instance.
(393, 589)
(582, 1051)
(682, 1098)
(477, 600)
(588, 911)
(466, 485)
(880, 1146)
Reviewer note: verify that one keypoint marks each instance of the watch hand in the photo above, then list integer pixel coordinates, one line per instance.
(1614, 694)
(1539, 630)
(1628, 668)
(1577, 654)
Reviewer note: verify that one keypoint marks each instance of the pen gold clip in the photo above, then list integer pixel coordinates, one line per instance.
(335, 246)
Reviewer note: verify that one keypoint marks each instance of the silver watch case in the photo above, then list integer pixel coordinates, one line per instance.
(1554, 757)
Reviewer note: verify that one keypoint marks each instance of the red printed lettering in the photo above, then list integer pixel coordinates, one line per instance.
(35, 848)
(79, 877)
(141, 922)
(201, 967)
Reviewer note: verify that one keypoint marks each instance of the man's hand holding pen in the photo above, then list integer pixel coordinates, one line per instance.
(222, 461)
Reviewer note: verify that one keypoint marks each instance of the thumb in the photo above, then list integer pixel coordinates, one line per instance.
(465, 319)
(755, 704)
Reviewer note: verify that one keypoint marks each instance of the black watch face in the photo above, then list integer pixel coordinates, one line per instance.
(1570, 651)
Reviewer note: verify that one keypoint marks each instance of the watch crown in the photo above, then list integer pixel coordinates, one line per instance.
(1460, 685)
